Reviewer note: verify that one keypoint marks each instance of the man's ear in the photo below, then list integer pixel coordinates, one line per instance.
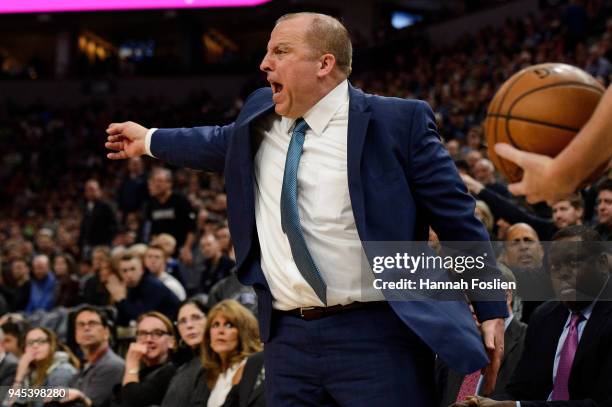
(327, 62)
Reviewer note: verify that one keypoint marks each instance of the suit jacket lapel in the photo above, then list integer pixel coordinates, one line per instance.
(359, 118)
(242, 154)
(511, 339)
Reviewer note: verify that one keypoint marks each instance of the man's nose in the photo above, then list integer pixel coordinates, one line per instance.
(265, 65)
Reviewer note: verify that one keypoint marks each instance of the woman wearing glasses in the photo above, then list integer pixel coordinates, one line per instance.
(232, 359)
(190, 323)
(44, 363)
(148, 368)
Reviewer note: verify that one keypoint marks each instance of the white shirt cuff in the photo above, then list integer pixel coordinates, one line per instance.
(148, 141)
(518, 404)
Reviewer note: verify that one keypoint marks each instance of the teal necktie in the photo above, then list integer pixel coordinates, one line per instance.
(290, 216)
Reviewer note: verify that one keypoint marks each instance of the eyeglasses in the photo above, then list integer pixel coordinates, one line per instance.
(88, 324)
(192, 318)
(155, 334)
(39, 341)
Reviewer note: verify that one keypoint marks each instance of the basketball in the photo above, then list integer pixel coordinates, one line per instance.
(540, 109)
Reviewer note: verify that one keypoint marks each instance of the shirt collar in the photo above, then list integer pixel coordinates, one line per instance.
(319, 116)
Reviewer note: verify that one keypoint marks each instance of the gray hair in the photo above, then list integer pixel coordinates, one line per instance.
(327, 35)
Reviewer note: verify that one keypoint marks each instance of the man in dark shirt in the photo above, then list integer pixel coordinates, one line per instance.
(139, 292)
(169, 212)
(99, 223)
(133, 191)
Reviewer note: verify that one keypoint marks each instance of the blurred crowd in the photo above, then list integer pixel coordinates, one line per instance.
(96, 254)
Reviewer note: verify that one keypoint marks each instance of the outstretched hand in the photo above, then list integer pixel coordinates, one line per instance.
(539, 183)
(493, 338)
(126, 139)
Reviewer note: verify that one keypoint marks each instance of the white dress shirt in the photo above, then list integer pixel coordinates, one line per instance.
(326, 214)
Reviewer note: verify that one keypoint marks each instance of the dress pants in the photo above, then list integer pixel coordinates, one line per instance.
(364, 357)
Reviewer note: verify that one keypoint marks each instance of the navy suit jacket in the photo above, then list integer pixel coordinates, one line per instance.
(401, 180)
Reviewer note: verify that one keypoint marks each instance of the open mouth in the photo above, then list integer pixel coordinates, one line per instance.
(276, 87)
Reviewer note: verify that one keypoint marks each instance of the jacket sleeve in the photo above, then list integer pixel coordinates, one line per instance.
(442, 195)
(200, 148)
(502, 207)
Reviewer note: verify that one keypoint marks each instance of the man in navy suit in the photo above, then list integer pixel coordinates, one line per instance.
(313, 169)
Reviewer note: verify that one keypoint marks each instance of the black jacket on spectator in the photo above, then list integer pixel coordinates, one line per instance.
(98, 227)
(67, 292)
(604, 231)
(590, 381)
(183, 383)
(94, 292)
(149, 295)
(149, 391)
(20, 297)
(175, 217)
(248, 393)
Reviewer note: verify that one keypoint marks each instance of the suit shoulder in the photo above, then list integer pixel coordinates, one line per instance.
(385, 102)
(545, 309)
(259, 96)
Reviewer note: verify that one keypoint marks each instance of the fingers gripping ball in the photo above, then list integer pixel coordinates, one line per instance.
(540, 109)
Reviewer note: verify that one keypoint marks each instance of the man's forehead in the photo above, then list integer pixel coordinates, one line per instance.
(561, 203)
(88, 315)
(522, 233)
(289, 31)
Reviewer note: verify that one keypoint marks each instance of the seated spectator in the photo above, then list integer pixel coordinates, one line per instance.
(168, 243)
(148, 368)
(230, 288)
(191, 323)
(67, 288)
(604, 210)
(94, 291)
(454, 386)
(20, 284)
(14, 336)
(225, 241)
(155, 262)
(232, 358)
(138, 291)
(483, 213)
(93, 385)
(8, 367)
(42, 286)
(484, 172)
(567, 360)
(524, 255)
(44, 243)
(44, 363)
(216, 265)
